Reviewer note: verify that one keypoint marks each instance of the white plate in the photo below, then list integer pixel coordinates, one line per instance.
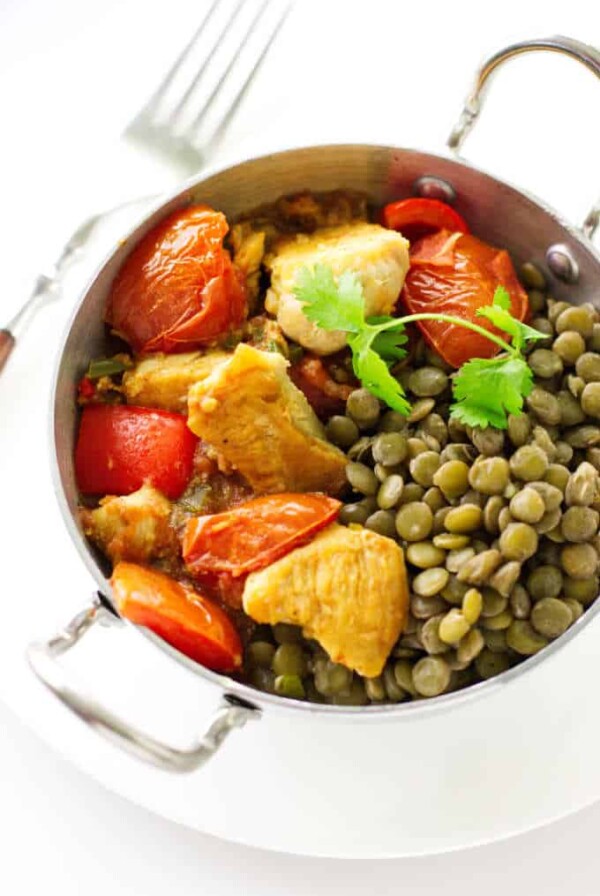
(520, 757)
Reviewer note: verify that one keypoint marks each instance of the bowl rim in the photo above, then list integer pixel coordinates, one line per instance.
(416, 708)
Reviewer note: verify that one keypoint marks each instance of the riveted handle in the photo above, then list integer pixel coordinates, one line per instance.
(44, 660)
(583, 53)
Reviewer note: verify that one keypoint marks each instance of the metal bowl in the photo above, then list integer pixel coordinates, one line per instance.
(501, 214)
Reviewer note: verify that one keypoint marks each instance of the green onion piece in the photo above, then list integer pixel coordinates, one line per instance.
(105, 367)
(289, 686)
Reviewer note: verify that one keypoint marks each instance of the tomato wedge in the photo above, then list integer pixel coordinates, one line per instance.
(256, 534)
(120, 447)
(178, 289)
(457, 273)
(416, 217)
(179, 615)
(324, 395)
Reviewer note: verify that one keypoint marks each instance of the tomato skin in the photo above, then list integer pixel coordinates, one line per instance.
(417, 217)
(255, 534)
(457, 273)
(324, 395)
(120, 447)
(178, 289)
(182, 617)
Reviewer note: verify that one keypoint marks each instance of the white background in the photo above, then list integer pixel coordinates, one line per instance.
(71, 75)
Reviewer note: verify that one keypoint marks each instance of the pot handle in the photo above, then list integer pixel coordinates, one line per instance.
(584, 53)
(43, 659)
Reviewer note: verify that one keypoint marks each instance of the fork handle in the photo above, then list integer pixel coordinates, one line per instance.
(7, 343)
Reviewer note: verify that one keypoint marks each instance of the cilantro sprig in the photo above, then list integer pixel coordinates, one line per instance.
(485, 389)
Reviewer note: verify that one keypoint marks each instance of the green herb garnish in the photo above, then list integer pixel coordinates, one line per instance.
(105, 367)
(486, 390)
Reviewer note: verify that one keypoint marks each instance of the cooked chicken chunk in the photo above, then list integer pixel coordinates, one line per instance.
(347, 589)
(133, 527)
(263, 426)
(379, 257)
(248, 251)
(162, 381)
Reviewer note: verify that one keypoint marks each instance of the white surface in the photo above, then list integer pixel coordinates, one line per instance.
(68, 84)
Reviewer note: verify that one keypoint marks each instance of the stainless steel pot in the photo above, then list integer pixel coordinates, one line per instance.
(501, 214)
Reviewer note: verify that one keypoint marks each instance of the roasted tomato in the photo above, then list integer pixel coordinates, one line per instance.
(415, 217)
(119, 448)
(178, 614)
(178, 289)
(455, 274)
(325, 396)
(256, 534)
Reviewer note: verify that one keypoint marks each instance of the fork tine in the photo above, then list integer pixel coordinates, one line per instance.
(155, 100)
(241, 91)
(176, 112)
(234, 55)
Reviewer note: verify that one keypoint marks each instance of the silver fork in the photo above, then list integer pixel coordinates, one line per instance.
(173, 123)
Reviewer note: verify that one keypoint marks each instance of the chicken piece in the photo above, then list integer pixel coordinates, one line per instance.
(263, 426)
(162, 381)
(347, 589)
(248, 252)
(133, 527)
(378, 257)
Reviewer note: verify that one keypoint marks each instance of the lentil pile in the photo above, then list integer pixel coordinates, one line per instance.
(499, 527)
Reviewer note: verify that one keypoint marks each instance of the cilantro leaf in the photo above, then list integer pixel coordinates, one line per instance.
(388, 344)
(487, 390)
(499, 314)
(373, 372)
(331, 305)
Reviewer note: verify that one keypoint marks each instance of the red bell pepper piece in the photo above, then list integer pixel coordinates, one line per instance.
(456, 273)
(416, 217)
(179, 615)
(255, 534)
(119, 448)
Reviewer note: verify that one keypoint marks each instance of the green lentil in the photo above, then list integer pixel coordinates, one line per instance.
(289, 659)
(579, 524)
(390, 491)
(425, 555)
(518, 542)
(544, 405)
(427, 382)
(528, 463)
(544, 581)
(576, 318)
(524, 639)
(342, 431)
(260, 654)
(353, 513)
(423, 467)
(588, 367)
(551, 617)
(431, 676)
(414, 521)
(478, 569)
(362, 478)
(519, 429)
(582, 486)
(383, 522)
(363, 407)
(289, 686)
(520, 602)
(545, 363)
(430, 581)
(505, 578)
(489, 475)
(590, 399)
(463, 519)
(527, 506)
(390, 448)
(489, 664)
(472, 605)
(569, 346)
(579, 561)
